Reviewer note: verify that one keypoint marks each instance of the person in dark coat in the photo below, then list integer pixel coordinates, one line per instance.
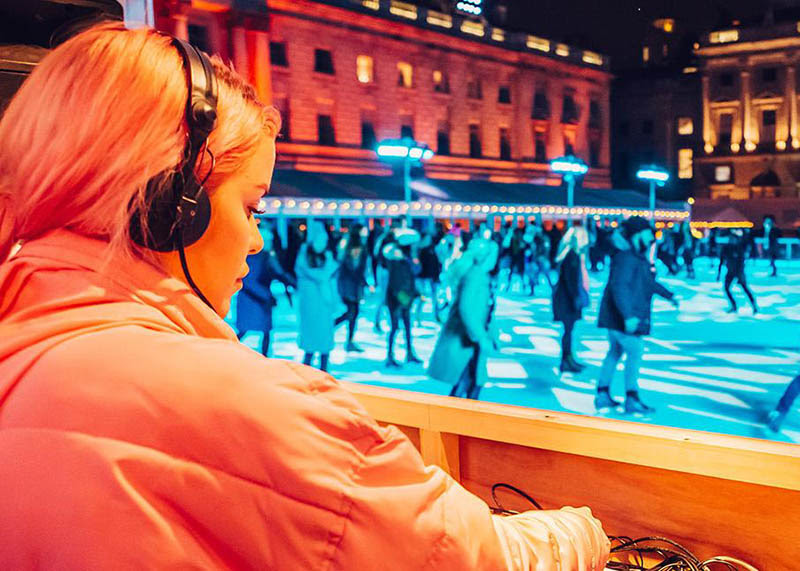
(771, 235)
(401, 290)
(571, 293)
(625, 311)
(459, 357)
(351, 280)
(255, 302)
(733, 256)
(686, 247)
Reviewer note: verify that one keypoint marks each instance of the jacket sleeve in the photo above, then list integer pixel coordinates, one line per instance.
(660, 290)
(621, 283)
(571, 274)
(400, 506)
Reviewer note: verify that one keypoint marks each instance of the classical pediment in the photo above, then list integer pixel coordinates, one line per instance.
(767, 95)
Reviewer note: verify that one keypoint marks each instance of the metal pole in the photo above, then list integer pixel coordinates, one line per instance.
(570, 197)
(407, 189)
(653, 201)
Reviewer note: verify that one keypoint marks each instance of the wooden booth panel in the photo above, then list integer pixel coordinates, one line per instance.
(709, 516)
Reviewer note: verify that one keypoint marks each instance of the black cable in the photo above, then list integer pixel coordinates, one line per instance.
(516, 491)
(184, 265)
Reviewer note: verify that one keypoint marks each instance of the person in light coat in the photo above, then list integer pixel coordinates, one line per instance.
(316, 296)
(459, 357)
(136, 432)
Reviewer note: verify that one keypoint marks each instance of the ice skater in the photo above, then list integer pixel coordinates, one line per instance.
(625, 311)
(571, 293)
(733, 257)
(776, 417)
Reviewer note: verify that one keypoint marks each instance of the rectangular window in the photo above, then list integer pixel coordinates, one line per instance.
(725, 127)
(440, 82)
(475, 147)
(405, 75)
(504, 94)
(569, 111)
(323, 61)
(198, 37)
(685, 126)
(325, 132)
(569, 148)
(540, 147)
(769, 75)
(722, 173)
(723, 36)
(505, 144)
(645, 54)
(443, 139)
(726, 79)
(364, 69)
(277, 54)
(685, 157)
(368, 139)
(594, 153)
(407, 132)
(768, 126)
(541, 106)
(474, 88)
(595, 116)
(647, 127)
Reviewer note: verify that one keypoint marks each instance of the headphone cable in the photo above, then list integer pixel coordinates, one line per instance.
(185, 266)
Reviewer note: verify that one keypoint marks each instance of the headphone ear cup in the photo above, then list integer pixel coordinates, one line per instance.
(159, 222)
(195, 225)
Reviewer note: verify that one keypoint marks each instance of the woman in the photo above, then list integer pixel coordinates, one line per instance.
(316, 299)
(351, 281)
(401, 290)
(255, 301)
(571, 293)
(136, 432)
(459, 357)
(733, 257)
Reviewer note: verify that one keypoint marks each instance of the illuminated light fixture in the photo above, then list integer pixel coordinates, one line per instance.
(410, 151)
(551, 210)
(690, 69)
(276, 203)
(724, 36)
(735, 147)
(428, 206)
(290, 203)
(439, 19)
(498, 35)
(448, 208)
(494, 208)
(416, 206)
(403, 9)
(382, 206)
(503, 209)
(593, 58)
(529, 209)
(471, 7)
(484, 208)
(458, 208)
(750, 146)
(562, 50)
(472, 28)
(359, 205)
(318, 204)
(536, 210)
(305, 204)
(371, 4)
(346, 206)
(780, 145)
(709, 148)
(512, 210)
(370, 206)
(653, 174)
(537, 43)
(569, 165)
(796, 143)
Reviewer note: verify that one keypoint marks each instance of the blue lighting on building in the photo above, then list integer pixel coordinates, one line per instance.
(473, 7)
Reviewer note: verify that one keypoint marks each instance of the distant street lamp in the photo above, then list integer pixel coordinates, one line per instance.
(570, 168)
(409, 151)
(655, 176)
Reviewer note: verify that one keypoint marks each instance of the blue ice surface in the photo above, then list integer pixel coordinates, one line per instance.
(703, 369)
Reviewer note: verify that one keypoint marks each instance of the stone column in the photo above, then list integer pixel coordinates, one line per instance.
(181, 26)
(239, 45)
(747, 125)
(791, 95)
(261, 72)
(708, 129)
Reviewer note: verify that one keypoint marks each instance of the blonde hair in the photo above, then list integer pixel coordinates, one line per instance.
(574, 239)
(97, 119)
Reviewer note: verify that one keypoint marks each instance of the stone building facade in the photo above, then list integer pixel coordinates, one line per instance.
(347, 73)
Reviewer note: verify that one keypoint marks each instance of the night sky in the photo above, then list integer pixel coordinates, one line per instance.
(617, 27)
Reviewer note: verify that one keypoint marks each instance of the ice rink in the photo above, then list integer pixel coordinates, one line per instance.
(702, 369)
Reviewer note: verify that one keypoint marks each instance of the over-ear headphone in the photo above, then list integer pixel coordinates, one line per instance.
(181, 214)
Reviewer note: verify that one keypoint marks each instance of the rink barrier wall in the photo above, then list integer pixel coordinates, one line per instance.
(714, 493)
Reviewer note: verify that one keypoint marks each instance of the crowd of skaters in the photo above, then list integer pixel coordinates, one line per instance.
(452, 276)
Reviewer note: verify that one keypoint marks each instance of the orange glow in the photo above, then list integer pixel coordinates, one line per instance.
(448, 176)
(210, 6)
(737, 224)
